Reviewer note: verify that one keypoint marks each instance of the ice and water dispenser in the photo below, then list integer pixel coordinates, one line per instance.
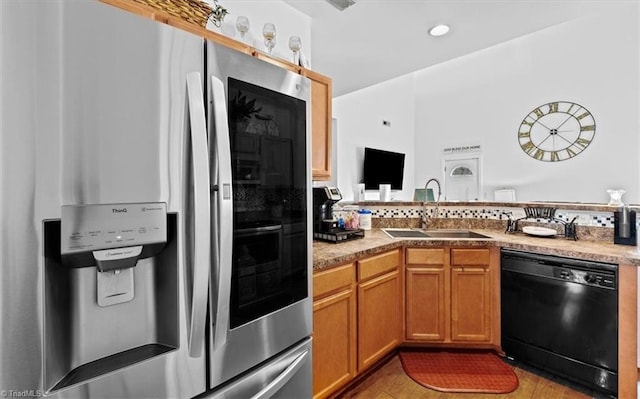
(111, 290)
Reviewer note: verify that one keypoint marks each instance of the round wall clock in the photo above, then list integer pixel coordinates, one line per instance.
(556, 131)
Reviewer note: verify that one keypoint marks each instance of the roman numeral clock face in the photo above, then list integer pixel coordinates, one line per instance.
(556, 131)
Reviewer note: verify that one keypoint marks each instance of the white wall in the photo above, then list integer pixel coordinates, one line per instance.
(482, 98)
(360, 118)
(288, 22)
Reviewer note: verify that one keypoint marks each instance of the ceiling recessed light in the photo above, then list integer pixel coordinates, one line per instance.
(439, 30)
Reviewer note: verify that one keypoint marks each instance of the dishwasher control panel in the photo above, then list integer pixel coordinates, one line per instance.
(585, 277)
(579, 271)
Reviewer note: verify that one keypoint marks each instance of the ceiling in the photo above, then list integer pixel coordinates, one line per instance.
(377, 40)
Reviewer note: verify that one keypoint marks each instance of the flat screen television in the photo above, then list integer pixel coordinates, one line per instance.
(382, 167)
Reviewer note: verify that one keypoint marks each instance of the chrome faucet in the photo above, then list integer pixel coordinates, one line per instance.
(424, 202)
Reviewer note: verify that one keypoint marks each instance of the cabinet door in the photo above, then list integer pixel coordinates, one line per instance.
(470, 304)
(425, 304)
(334, 342)
(320, 124)
(427, 293)
(379, 317)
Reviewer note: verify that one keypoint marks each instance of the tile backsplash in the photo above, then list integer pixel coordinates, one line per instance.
(582, 218)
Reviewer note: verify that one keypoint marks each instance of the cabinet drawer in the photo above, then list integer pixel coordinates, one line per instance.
(470, 257)
(425, 256)
(378, 264)
(327, 281)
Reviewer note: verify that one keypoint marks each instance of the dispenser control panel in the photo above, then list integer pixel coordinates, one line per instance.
(94, 227)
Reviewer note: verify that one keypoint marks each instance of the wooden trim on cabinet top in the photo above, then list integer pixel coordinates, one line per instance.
(279, 62)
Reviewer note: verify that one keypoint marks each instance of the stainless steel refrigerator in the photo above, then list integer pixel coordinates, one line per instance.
(155, 238)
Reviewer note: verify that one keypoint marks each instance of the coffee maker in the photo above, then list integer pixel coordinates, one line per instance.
(325, 228)
(323, 200)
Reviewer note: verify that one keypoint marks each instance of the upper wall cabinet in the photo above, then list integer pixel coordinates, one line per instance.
(320, 84)
(320, 124)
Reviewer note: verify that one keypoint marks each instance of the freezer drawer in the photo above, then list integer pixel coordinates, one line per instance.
(287, 375)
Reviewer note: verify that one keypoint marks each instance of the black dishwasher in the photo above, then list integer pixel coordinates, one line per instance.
(561, 315)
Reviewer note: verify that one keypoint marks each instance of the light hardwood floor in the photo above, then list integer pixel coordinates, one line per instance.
(390, 382)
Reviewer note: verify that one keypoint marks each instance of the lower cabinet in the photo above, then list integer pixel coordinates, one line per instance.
(427, 293)
(435, 296)
(379, 307)
(451, 295)
(334, 329)
(357, 319)
(470, 304)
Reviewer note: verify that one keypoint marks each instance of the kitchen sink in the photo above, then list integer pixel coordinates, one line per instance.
(415, 233)
(405, 233)
(454, 234)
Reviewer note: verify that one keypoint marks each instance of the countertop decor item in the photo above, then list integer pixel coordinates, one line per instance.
(295, 44)
(193, 11)
(548, 213)
(217, 14)
(539, 231)
(615, 197)
(269, 33)
(556, 131)
(545, 212)
(242, 24)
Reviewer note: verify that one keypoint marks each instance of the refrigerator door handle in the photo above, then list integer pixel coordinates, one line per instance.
(202, 221)
(223, 237)
(284, 377)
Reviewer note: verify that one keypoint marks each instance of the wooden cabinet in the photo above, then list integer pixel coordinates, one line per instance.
(427, 292)
(379, 307)
(320, 124)
(470, 295)
(451, 295)
(357, 319)
(334, 329)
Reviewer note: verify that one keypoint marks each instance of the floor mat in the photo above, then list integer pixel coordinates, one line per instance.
(459, 371)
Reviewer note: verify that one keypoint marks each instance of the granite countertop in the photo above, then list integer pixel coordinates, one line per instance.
(326, 255)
